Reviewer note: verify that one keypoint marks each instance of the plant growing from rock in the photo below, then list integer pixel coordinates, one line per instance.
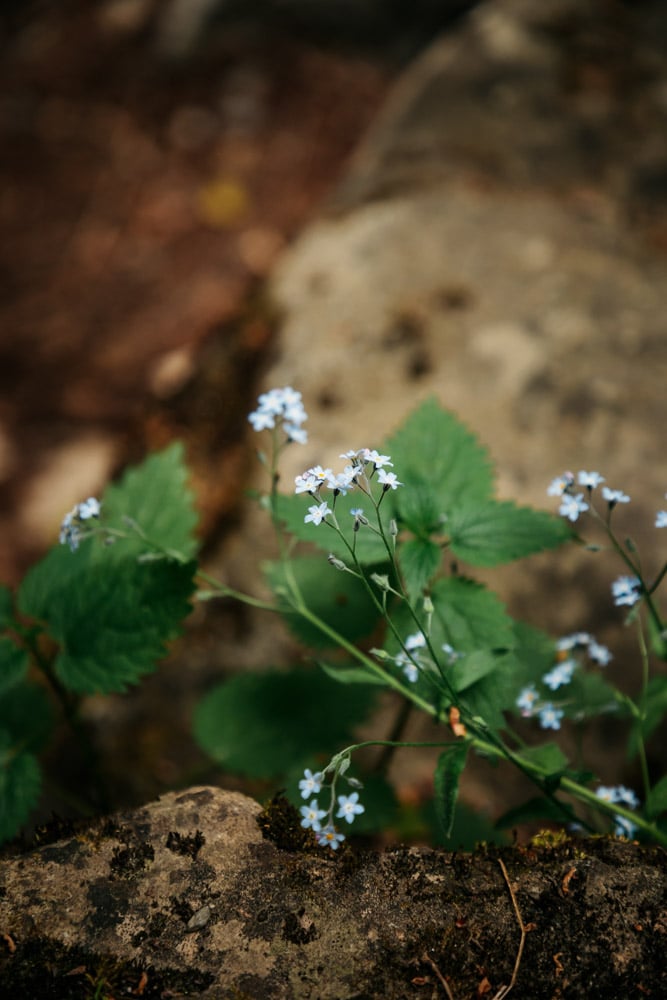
(369, 578)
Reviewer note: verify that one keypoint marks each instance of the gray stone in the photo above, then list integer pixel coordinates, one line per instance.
(494, 244)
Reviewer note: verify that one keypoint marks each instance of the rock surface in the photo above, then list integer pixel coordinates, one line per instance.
(185, 898)
(498, 242)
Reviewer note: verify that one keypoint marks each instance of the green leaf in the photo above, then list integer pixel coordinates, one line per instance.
(469, 617)
(494, 694)
(155, 494)
(498, 532)
(6, 607)
(351, 674)
(535, 653)
(656, 709)
(112, 619)
(448, 771)
(589, 695)
(657, 800)
(20, 784)
(419, 559)
(459, 469)
(471, 668)
(263, 725)
(14, 663)
(338, 598)
(420, 506)
(549, 757)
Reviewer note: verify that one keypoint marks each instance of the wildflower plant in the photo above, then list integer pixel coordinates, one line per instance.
(374, 577)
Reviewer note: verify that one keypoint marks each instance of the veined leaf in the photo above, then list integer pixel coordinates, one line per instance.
(338, 598)
(112, 619)
(459, 468)
(263, 725)
(448, 772)
(155, 494)
(471, 668)
(469, 617)
(498, 532)
(419, 505)
(493, 694)
(419, 559)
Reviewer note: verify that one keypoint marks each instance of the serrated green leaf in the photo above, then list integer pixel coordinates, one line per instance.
(14, 663)
(419, 505)
(338, 598)
(459, 469)
(498, 532)
(468, 616)
(368, 546)
(351, 675)
(471, 668)
(6, 607)
(112, 619)
(494, 694)
(156, 496)
(419, 560)
(263, 725)
(448, 770)
(20, 784)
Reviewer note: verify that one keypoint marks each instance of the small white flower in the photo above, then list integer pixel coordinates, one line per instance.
(661, 519)
(590, 479)
(572, 506)
(312, 815)
(614, 496)
(415, 641)
(349, 806)
(560, 485)
(388, 480)
(310, 784)
(317, 513)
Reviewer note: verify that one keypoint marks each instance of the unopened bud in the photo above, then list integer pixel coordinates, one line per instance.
(335, 562)
(381, 581)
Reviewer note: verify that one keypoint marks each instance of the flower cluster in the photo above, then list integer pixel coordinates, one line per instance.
(282, 406)
(362, 466)
(571, 650)
(411, 660)
(623, 796)
(573, 503)
(70, 529)
(313, 817)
